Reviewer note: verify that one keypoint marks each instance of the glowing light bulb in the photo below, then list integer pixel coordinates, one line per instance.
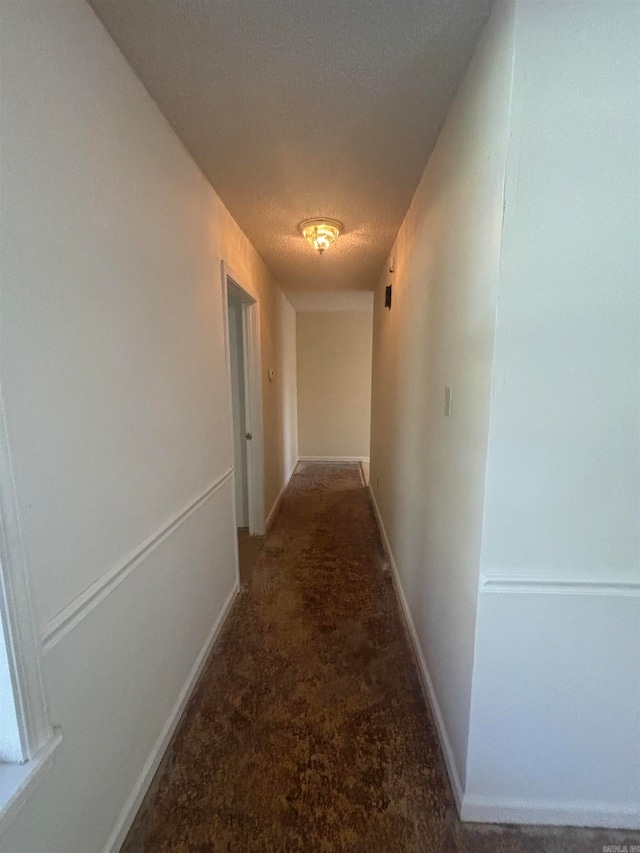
(320, 234)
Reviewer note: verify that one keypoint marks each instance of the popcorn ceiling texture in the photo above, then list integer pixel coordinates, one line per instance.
(308, 730)
(299, 109)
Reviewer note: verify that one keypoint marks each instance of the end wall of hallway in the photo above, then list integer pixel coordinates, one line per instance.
(334, 384)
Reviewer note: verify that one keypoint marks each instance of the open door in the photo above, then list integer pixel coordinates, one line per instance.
(242, 342)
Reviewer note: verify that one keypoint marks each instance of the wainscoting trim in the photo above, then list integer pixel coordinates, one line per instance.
(555, 586)
(84, 603)
(427, 683)
(128, 813)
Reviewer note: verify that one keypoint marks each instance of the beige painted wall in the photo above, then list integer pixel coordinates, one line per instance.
(117, 406)
(334, 383)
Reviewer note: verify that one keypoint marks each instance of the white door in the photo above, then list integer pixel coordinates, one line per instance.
(238, 401)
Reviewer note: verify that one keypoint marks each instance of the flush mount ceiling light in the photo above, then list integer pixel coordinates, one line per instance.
(321, 234)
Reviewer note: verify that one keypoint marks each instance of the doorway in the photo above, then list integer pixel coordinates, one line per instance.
(241, 434)
(245, 373)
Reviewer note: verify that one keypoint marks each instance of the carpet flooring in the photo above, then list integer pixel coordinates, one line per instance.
(249, 548)
(308, 730)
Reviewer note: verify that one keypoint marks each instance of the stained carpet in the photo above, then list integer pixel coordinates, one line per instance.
(249, 548)
(308, 730)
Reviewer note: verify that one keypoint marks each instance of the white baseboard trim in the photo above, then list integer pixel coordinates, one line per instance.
(128, 813)
(276, 504)
(542, 812)
(333, 459)
(427, 683)
(489, 810)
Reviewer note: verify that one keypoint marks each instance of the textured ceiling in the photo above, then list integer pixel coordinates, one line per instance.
(296, 108)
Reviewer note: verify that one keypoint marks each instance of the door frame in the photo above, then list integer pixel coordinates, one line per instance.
(252, 366)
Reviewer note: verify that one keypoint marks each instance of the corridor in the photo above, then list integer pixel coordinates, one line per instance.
(308, 730)
(348, 290)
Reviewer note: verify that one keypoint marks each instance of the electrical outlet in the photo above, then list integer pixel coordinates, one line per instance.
(448, 397)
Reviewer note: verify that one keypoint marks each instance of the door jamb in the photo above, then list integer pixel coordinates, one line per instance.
(251, 340)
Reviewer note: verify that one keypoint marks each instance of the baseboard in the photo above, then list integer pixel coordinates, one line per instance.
(482, 809)
(333, 459)
(276, 504)
(128, 813)
(427, 683)
(539, 812)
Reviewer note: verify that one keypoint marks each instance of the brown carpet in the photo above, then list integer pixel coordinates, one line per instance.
(249, 548)
(308, 730)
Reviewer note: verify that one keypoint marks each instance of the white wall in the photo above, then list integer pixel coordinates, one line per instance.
(334, 383)
(278, 330)
(427, 470)
(558, 634)
(287, 377)
(331, 300)
(514, 523)
(117, 406)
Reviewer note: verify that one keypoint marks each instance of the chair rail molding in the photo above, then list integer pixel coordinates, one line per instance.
(546, 585)
(84, 603)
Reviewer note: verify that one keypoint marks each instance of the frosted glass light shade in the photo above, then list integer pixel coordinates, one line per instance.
(321, 234)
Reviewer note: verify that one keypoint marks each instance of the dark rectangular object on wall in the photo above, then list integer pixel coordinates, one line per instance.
(387, 296)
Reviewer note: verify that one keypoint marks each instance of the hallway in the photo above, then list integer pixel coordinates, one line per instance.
(308, 730)
(252, 251)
